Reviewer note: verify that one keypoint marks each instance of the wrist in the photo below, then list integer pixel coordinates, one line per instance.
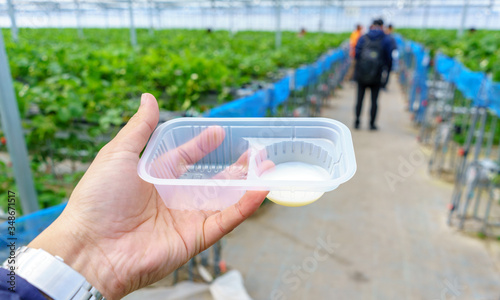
(68, 241)
(51, 276)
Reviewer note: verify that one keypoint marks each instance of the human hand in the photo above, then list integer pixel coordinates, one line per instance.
(116, 230)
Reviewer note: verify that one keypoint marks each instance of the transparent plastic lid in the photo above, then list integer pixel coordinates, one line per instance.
(209, 163)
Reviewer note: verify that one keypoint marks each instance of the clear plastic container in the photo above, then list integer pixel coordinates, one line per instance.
(209, 163)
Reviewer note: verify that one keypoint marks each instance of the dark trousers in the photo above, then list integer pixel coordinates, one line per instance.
(374, 95)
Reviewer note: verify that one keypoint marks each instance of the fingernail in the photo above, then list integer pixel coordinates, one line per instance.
(144, 98)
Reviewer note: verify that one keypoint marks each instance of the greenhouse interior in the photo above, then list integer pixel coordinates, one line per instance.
(166, 149)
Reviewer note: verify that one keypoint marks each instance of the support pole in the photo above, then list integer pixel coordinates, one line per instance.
(341, 16)
(491, 135)
(425, 20)
(231, 18)
(151, 23)
(338, 13)
(78, 19)
(278, 23)
(410, 13)
(204, 17)
(464, 18)
(133, 34)
(490, 12)
(13, 24)
(160, 16)
(59, 16)
(213, 4)
(322, 16)
(16, 145)
(297, 15)
(248, 13)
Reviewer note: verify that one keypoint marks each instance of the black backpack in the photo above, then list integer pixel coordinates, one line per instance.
(370, 63)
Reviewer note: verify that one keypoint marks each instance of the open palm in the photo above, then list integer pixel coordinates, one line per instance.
(116, 230)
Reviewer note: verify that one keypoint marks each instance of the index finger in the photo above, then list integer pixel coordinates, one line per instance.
(207, 141)
(174, 163)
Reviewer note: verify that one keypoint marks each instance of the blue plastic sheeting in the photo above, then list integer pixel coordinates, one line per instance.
(416, 58)
(327, 62)
(399, 40)
(403, 56)
(417, 50)
(310, 73)
(321, 65)
(473, 85)
(339, 55)
(455, 72)
(313, 74)
(335, 56)
(470, 84)
(280, 92)
(407, 57)
(318, 68)
(444, 66)
(421, 81)
(255, 105)
(494, 97)
(28, 227)
(302, 75)
(418, 89)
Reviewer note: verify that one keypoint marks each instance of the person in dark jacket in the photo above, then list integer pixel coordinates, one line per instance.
(376, 33)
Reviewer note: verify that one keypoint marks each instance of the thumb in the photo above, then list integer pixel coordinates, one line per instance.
(134, 136)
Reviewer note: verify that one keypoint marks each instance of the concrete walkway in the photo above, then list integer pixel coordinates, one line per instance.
(380, 236)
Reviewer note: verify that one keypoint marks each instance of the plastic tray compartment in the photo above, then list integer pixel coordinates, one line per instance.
(209, 163)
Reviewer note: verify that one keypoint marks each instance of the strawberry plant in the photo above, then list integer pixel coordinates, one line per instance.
(74, 94)
(478, 51)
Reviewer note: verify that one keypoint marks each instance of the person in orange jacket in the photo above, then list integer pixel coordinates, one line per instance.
(353, 40)
(355, 35)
